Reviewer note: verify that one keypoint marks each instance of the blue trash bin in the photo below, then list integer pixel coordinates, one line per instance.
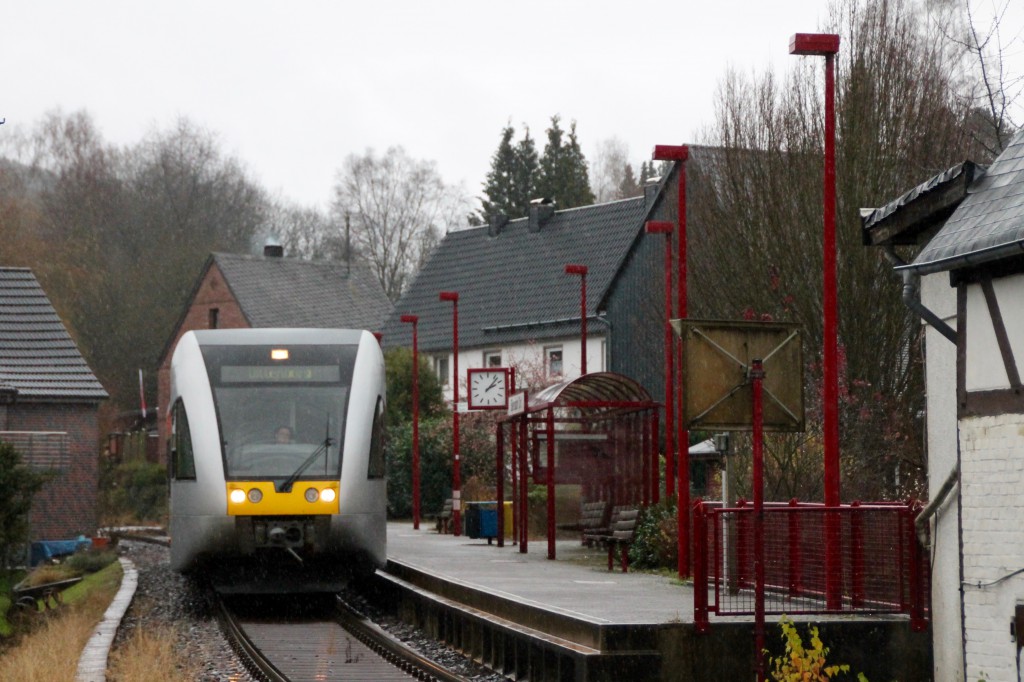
(488, 520)
(482, 520)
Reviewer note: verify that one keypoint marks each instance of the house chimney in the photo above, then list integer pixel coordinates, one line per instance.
(651, 190)
(272, 248)
(541, 211)
(495, 222)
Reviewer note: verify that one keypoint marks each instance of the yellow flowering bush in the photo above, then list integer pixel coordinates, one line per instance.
(802, 663)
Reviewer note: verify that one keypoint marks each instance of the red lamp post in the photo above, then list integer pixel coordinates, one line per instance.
(581, 270)
(413, 319)
(453, 297)
(827, 45)
(679, 154)
(665, 228)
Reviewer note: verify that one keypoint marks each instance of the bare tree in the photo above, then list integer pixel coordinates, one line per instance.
(756, 222)
(126, 232)
(399, 207)
(608, 169)
(306, 232)
(992, 90)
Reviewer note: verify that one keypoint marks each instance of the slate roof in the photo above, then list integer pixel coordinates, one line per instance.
(989, 223)
(288, 292)
(513, 286)
(38, 358)
(889, 224)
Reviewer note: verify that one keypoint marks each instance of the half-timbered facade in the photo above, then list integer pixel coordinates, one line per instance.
(970, 273)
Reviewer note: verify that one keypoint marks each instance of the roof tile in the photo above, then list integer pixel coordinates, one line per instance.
(37, 355)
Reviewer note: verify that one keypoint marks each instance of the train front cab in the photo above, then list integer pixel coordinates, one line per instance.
(260, 508)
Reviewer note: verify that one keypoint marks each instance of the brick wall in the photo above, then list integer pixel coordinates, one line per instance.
(66, 507)
(992, 461)
(213, 292)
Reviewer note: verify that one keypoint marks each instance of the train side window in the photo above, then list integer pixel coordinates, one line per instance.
(183, 462)
(376, 464)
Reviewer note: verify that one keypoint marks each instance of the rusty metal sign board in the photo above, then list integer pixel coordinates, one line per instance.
(716, 358)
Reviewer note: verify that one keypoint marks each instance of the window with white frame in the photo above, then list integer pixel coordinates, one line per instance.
(441, 368)
(553, 360)
(492, 358)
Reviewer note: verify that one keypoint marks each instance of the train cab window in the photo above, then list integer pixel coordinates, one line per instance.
(260, 398)
(376, 467)
(183, 463)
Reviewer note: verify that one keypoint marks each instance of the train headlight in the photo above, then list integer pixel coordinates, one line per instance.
(255, 495)
(237, 496)
(312, 495)
(328, 495)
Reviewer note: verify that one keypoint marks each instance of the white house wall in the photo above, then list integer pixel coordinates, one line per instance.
(940, 385)
(985, 369)
(993, 541)
(530, 355)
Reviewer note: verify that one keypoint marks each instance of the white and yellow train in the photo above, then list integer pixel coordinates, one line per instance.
(276, 457)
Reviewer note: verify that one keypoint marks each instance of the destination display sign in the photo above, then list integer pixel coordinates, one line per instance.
(249, 374)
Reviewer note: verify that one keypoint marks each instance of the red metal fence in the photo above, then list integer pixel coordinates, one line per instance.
(883, 568)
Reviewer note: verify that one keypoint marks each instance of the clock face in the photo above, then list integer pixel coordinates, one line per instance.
(488, 389)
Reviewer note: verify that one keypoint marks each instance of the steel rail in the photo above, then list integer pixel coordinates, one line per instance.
(390, 648)
(250, 656)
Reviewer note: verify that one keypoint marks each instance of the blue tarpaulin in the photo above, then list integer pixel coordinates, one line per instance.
(48, 549)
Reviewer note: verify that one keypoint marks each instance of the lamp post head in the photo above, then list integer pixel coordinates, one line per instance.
(658, 227)
(413, 319)
(576, 269)
(452, 296)
(670, 152)
(814, 44)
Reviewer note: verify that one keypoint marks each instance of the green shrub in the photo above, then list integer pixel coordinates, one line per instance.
(135, 491)
(435, 466)
(20, 484)
(91, 560)
(654, 541)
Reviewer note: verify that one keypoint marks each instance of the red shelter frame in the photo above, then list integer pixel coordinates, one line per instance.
(613, 422)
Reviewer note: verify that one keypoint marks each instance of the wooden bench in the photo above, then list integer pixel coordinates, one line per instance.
(443, 519)
(594, 519)
(602, 533)
(622, 526)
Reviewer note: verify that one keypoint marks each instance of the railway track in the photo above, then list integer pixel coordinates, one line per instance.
(318, 640)
(297, 641)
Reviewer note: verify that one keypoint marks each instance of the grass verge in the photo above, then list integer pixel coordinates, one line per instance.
(49, 651)
(149, 651)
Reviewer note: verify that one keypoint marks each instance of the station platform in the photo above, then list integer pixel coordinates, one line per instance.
(577, 583)
(571, 618)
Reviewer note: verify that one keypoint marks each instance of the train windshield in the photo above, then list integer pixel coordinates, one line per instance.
(281, 409)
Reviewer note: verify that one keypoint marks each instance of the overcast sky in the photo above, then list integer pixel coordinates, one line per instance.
(292, 88)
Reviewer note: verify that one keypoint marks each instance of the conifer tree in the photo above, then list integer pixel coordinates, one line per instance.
(563, 169)
(628, 187)
(525, 175)
(501, 179)
(511, 181)
(552, 166)
(645, 173)
(518, 175)
(576, 191)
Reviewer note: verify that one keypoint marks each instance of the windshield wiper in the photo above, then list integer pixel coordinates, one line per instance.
(285, 486)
